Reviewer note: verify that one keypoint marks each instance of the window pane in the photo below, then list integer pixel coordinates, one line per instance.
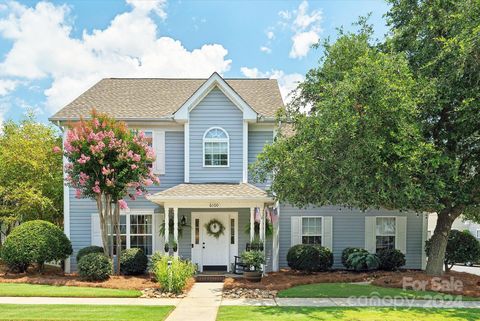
(216, 133)
(197, 231)
(143, 242)
(385, 226)
(312, 240)
(385, 242)
(232, 231)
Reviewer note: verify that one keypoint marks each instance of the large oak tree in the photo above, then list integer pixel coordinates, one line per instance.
(391, 125)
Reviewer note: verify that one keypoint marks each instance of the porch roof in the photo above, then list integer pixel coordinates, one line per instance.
(210, 192)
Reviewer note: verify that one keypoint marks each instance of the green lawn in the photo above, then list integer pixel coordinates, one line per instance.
(23, 289)
(345, 290)
(83, 312)
(236, 313)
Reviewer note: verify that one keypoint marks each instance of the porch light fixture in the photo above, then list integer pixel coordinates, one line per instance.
(183, 220)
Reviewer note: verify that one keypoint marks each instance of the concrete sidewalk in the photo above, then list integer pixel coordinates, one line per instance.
(200, 304)
(87, 301)
(354, 302)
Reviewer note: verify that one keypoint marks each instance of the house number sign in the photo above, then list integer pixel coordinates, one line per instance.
(214, 205)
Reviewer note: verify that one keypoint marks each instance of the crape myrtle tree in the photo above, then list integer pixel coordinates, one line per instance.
(364, 143)
(107, 162)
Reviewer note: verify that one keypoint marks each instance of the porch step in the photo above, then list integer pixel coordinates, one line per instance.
(209, 278)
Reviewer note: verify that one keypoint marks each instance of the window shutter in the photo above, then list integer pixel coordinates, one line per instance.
(159, 147)
(401, 234)
(327, 237)
(370, 234)
(296, 230)
(96, 231)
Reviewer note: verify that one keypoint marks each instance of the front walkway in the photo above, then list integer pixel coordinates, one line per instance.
(200, 304)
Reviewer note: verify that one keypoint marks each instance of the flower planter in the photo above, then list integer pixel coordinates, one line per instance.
(253, 276)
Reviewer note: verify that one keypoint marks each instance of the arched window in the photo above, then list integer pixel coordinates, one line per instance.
(215, 147)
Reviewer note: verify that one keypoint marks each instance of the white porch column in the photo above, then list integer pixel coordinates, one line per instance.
(252, 223)
(175, 229)
(276, 240)
(262, 225)
(167, 225)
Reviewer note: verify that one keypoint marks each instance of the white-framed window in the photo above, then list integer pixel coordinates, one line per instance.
(385, 233)
(149, 137)
(216, 148)
(312, 230)
(136, 231)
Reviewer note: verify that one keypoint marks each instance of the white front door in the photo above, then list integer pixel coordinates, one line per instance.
(208, 251)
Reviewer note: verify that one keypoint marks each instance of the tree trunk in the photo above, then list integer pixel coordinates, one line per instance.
(436, 257)
(118, 236)
(111, 222)
(103, 223)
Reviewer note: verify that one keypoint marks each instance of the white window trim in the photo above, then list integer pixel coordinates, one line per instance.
(322, 241)
(128, 214)
(219, 140)
(394, 235)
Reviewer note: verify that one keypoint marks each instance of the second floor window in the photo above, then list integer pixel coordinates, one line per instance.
(215, 148)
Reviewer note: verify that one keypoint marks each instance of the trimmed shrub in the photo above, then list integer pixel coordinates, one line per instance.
(94, 267)
(346, 253)
(462, 247)
(309, 258)
(254, 260)
(35, 242)
(361, 261)
(173, 278)
(88, 250)
(133, 262)
(391, 259)
(156, 256)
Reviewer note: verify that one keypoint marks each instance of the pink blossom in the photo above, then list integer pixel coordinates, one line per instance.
(83, 178)
(57, 149)
(133, 166)
(148, 182)
(132, 197)
(136, 158)
(123, 205)
(106, 171)
(96, 188)
(96, 123)
(78, 193)
(83, 159)
(138, 192)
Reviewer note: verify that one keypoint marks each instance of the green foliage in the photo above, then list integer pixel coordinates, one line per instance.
(88, 250)
(462, 247)
(309, 258)
(361, 261)
(254, 259)
(133, 262)
(95, 267)
(156, 257)
(35, 242)
(31, 178)
(391, 259)
(256, 228)
(346, 253)
(173, 278)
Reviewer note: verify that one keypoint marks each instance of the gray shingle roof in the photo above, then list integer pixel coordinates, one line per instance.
(155, 98)
(211, 190)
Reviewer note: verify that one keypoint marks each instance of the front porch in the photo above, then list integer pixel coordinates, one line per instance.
(213, 223)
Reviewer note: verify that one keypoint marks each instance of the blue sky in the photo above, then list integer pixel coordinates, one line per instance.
(50, 52)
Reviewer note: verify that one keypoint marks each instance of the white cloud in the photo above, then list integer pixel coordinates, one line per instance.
(286, 82)
(270, 35)
(265, 49)
(6, 86)
(306, 28)
(128, 47)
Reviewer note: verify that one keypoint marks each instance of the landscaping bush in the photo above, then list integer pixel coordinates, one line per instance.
(156, 256)
(173, 278)
(462, 247)
(346, 253)
(254, 259)
(133, 262)
(363, 261)
(88, 250)
(309, 258)
(94, 267)
(391, 259)
(35, 242)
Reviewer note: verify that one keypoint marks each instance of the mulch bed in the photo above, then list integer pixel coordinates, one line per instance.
(55, 276)
(287, 278)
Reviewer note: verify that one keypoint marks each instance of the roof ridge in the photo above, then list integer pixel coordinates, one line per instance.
(167, 78)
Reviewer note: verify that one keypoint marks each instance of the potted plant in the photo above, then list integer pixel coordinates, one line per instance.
(175, 246)
(253, 261)
(166, 247)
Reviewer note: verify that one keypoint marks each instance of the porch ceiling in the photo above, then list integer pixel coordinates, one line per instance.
(227, 193)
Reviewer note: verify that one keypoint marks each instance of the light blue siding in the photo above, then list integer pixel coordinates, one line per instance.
(216, 110)
(82, 209)
(256, 141)
(349, 231)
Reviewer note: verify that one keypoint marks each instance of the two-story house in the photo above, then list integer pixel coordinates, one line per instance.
(205, 133)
